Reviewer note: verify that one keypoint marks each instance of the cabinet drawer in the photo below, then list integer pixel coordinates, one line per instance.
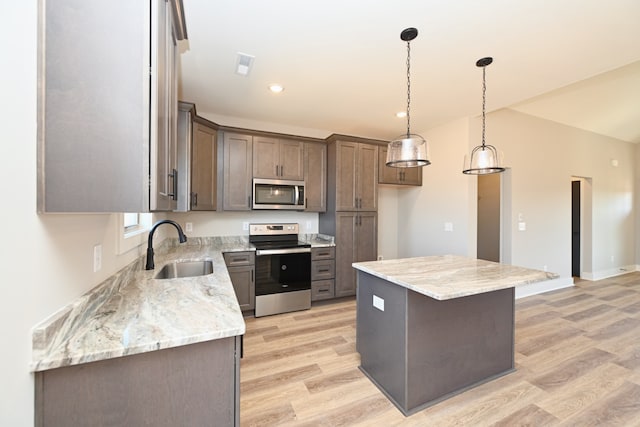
(323, 253)
(322, 289)
(323, 269)
(233, 259)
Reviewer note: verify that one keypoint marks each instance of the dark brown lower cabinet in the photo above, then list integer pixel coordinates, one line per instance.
(191, 385)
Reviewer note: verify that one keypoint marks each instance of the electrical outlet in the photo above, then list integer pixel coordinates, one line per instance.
(308, 225)
(378, 303)
(188, 226)
(448, 226)
(380, 257)
(245, 226)
(522, 226)
(97, 258)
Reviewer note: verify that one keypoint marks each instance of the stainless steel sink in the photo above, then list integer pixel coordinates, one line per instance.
(185, 269)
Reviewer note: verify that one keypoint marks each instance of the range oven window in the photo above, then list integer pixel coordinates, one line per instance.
(283, 273)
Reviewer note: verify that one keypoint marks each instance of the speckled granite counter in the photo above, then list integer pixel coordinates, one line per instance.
(318, 240)
(450, 276)
(132, 312)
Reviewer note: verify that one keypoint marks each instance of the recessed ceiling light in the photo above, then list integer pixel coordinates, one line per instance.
(276, 88)
(401, 114)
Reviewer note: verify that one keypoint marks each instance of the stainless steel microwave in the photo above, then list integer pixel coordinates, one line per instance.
(278, 194)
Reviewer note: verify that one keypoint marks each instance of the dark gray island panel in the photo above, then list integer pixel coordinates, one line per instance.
(381, 335)
(420, 350)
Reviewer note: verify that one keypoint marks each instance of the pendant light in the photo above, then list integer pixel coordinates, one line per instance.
(408, 150)
(484, 158)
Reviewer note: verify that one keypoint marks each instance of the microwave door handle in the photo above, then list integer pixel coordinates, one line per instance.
(297, 195)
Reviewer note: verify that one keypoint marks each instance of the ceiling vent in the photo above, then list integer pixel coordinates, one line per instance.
(244, 63)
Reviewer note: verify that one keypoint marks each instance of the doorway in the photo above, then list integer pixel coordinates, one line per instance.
(489, 213)
(581, 227)
(575, 229)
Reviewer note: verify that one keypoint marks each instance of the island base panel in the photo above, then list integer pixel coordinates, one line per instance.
(419, 350)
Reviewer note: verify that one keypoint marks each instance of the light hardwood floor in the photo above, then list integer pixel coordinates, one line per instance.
(577, 360)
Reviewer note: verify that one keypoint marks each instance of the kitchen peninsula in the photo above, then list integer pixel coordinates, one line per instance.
(431, 327)
(145, 349)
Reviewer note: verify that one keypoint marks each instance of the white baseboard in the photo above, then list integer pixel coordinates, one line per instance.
(541, 287)
(613, 272)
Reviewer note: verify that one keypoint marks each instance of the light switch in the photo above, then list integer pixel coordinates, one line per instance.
(97, 258)
(448, 226)
(378, 303)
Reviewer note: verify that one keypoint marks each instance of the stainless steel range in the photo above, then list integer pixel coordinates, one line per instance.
(283, 269)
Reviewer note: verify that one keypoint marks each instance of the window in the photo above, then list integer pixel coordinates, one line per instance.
(131, 221)
(132, 230)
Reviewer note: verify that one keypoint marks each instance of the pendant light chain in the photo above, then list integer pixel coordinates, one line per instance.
(408, 86)
(484, 100)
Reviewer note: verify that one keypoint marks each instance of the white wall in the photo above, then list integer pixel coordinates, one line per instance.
(543, 156)
(231, 223)
(388, 221)
(444, 197)
(637, 196)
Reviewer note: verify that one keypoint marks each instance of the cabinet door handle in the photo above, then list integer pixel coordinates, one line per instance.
(251, 276)
(174, 184)
(194, 199)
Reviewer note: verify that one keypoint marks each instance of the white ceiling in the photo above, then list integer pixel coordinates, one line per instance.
(343, 65)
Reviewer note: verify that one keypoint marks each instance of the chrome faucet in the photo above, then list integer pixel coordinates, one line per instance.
(181, 236)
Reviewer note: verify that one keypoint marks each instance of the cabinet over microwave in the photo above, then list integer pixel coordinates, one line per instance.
(278, 194)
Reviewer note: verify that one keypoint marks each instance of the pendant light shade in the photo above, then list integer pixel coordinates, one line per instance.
(408, 150)
(484, 159)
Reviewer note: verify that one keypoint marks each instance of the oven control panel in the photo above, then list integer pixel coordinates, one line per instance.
(273, 229)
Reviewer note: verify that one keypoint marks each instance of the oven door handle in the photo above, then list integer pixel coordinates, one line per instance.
(285, 251)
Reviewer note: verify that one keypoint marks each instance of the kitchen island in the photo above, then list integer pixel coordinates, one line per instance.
(431, 327)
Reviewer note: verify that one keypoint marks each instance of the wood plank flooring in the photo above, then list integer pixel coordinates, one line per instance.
(577, 364)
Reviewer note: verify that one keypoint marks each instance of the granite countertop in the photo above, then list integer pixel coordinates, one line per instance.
(450, 276)
(318, 240)
(131, 312)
